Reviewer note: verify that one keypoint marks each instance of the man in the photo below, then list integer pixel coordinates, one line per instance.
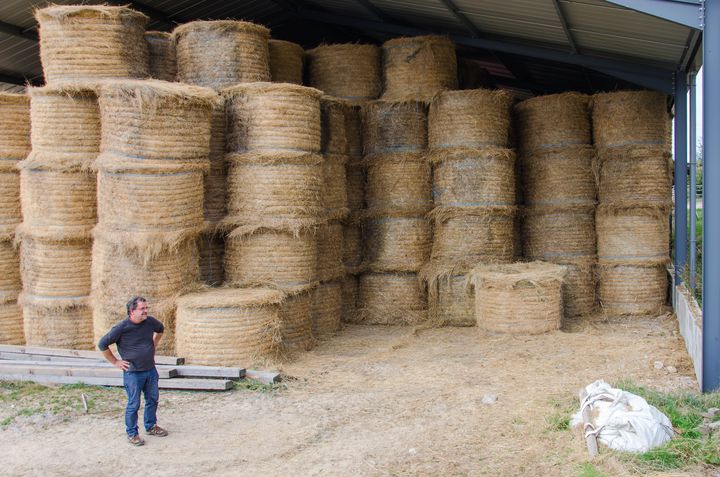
(137, 337)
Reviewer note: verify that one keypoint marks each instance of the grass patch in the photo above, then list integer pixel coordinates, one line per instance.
(559, 419)
(253, 385)
(589, 470)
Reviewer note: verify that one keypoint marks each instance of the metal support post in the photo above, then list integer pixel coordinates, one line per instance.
(692, 112)
(680, 175)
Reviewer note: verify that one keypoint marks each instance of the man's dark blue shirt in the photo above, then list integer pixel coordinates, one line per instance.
(134, 342)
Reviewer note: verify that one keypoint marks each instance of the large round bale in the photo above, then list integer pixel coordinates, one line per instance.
(221, 53)
(272, 117)
(354, 131)
(10, 282)
(286, 61)
(11, 322)
(558, 231)
(475, 118)
(390, 299)
(632, 235)
(211, 249)
(518, 298)
(64, 323)
(330, 252)
(398, 184)
(552, 121)
(627, 118)
(559, 176)
(473, 177)
(632, 290)
(296, 321)
(327, 307)
(348, 71)
(15, 126)
(394, 127)
(57, 199)
(86, 43)
(215, 184)
(352, 247)
(10, 215)
(229, 326)
(579, 290)
(334, 194)
(418, 67)
(334, 125)
(355, 186)
(397, 244)
(635, 174)
(350, 285)
(162, 63)
(450, 300)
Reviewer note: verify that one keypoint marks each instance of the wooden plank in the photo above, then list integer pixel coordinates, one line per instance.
(76, 353)
(78, 371)
(190, 371)
(185, 384)
(266, 377)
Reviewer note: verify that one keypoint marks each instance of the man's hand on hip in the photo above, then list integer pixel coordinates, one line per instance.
(122, 364)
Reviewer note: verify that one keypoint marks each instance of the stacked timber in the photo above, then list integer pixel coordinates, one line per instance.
(286, 61)
(554, 139)
(630, 131)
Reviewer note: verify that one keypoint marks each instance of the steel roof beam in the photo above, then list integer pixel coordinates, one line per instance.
(372, 8)
(566, 29)
(684, 12)
(20, 32)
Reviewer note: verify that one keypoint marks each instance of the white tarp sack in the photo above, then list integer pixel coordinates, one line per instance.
(622, 420)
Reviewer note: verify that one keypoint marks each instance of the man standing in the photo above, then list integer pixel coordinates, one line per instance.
(137, 337)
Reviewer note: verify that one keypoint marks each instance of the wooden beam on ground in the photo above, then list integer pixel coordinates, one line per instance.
(75, 353)
(183, 384)
(190, 371)
(76, 371)
(266, 377)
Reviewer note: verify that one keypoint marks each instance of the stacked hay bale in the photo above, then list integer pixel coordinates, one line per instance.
(162, 62)
(154, 152)
(59, 213)
(275, 186)
(474, 196)
(630, 131)
(347, 71)
(554, 139)
(398, 195)
(14, 146)
(286, 61)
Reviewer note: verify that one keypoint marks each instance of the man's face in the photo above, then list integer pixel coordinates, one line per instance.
(139, 314)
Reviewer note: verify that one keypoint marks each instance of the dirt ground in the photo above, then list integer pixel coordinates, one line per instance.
(380, 401)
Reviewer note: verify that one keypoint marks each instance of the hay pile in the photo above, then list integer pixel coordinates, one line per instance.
(327, 309)
(553, 121)
(222, 53)
(57, 324)
(162, 63)
(418, 68)
(392, 127)
(11, 322)
(521, 298)
(83, 43)
(347, 71)
(11, 319)
(286, 62)
(630, 118)
(390, 299)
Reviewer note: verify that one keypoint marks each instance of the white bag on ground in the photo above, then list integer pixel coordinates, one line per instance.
(622, 420)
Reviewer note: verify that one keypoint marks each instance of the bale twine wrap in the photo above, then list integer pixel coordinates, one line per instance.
(162, 63)
(10, 282)
(553, 231)
(273, 117)
(348, 71)
(473, 177)
(215, 183)
(628, 235)
(450, 300)
(350, 285)
(352, 248)
(11, 323)
(397, 244)
(398, 184)
(627, 118)
(473, 234)
(10, 215)
(394, 127)
(553, 121)
(355, 186)
(63, 323)
(559, 176)
(211, 249)
(330, 252)
(632, 290)
(579, 290)
(327, 308)
(86, 43)
(390, 299)
(15, 126)
(418, 67)
(475, 118)
(640, 174)
(286, 61)
(221, 53)
(518, 298)
(229, 326)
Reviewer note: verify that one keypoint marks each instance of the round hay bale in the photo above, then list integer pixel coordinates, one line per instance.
(518, 298)
(355, 187)
(579, 289)
(11, 323)
(286, 61)
(394, 127)
(558, 231)
(348, 71)
(221, 53)
(15, 126)
(10, 282)
(64, 323)
(390, 299)
(162, 63)
(334, 135)
(273, 116)
(559, 176)
(330, 252)
(626, 118)
(10, 215)
(473, 177)
(83, 43)
(229, 326)
(296, 322)
(280, 187)
(397, 244)
(58, 199)
(354, 131)
(156, 120)
(632, 290)
(632, 235)
(349, 298)
(327, 307)
(473, 234)
(352, 247)
(418, 67)
(474, 118)
(398, 184)
(553, 121)
(334, 193)
(211, 247)
(274, 258)
(450, 302)
(215, 184)
(637, 174)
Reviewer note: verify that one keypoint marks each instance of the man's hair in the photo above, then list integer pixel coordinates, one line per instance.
(132, 304)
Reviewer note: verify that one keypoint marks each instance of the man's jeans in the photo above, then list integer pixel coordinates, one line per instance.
(137, 382)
